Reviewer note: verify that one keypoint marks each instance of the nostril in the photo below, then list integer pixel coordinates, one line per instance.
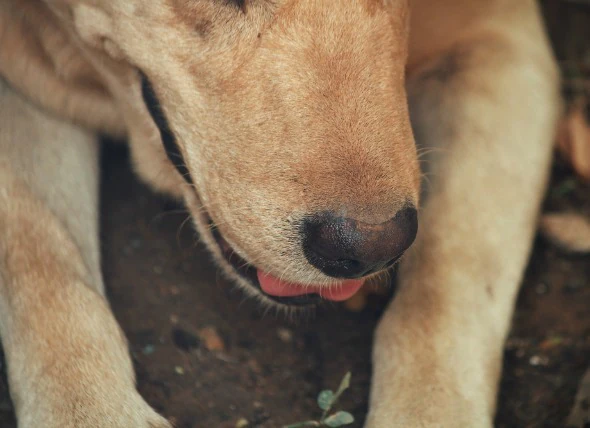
(346, 248)
(342, 268)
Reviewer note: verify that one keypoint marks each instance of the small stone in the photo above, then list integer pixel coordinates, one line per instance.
(211, 339)
(538, 360)
(541, 288)
(174, 319)
(148, 349)
(179, 370)
(285, 335)
(220, 355)
(242, 423)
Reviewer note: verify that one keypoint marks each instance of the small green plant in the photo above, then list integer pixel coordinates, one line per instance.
(326, 400)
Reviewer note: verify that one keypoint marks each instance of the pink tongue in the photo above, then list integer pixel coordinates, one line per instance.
(339, 292)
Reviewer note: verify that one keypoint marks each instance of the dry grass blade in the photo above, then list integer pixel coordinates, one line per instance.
(580, 415)
(573, 139)
(569, 231)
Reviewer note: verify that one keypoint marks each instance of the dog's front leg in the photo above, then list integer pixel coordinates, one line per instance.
(488, 109)
(68, 363)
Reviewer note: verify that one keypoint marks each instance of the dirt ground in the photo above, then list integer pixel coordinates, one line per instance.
(167, 295)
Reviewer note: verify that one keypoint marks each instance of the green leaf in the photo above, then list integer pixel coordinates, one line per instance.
(564, 188)
(304, 424)
(344, 384)
(325, 399)
(339, 419)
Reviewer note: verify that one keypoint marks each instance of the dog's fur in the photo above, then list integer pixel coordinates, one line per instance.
(278, 109)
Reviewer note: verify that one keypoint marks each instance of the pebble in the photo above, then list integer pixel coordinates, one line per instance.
(285, 335)
(242, 423)
(542, 288)
(179, 370)
(148, 349)
(211, 339)
(538, 360)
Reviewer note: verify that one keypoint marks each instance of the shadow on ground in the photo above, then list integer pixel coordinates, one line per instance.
(164, 290)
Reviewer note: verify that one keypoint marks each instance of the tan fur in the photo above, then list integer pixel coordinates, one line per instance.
(279, 108)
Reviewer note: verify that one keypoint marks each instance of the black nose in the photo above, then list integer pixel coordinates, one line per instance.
(346, 248)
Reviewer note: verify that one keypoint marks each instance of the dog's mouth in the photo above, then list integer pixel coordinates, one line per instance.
(284, 292)
(271, 287)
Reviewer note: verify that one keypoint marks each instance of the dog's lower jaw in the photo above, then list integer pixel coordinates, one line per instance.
(202, 224)
(247, 277)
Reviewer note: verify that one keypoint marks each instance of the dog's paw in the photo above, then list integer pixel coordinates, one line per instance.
(130, 412)
(433, 416)
(417, 421)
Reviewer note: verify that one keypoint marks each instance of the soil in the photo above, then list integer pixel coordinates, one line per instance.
(268, 370)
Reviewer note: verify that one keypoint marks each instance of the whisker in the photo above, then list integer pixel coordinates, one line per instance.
(186, 220)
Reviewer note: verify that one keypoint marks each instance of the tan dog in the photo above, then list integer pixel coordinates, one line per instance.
(286, 124)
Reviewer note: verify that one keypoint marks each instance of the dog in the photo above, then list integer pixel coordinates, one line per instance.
(315, 143)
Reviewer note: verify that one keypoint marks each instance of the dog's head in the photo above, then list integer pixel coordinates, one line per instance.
(288, 123)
